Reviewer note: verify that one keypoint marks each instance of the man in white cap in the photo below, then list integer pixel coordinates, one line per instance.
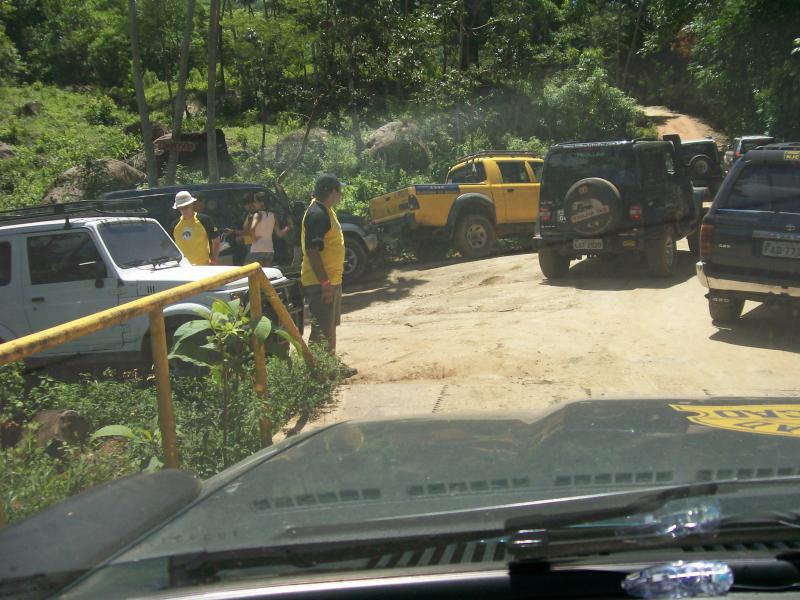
(194, 233)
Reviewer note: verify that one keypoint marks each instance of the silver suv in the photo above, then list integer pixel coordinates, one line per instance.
(56, 269)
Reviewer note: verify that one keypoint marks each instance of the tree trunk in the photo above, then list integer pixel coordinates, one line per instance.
(180, 99)
(355, 121)
(147, 133)
(211, 98)
(633, 45)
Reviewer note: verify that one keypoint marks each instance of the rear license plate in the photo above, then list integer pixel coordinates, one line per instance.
(587, 244)
(781, 249)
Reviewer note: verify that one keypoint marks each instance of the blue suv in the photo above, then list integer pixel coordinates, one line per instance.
(750, 238)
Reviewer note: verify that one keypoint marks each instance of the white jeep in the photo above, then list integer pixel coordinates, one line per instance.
(55, 269)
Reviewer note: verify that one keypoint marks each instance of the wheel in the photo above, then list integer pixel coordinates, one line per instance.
(661, 253)
(474, 236)
(355, 260)
(593, 206)
(724, 309)
(700, 166)
(431, 250)
(553, 264)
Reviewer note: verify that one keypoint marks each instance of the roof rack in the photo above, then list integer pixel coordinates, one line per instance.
(780, 146)
(530, 153)
(81, 208)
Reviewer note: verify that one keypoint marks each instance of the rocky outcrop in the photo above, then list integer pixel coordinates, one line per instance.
(194, 154)
(90, 180)
(58, 428)
(6, 151)
(399, 143)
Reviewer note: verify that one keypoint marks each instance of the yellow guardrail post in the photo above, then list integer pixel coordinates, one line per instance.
(166, 414)
(265, 423)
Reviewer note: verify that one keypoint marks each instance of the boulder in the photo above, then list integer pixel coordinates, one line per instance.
(286, 149)
(99, 176)
(29, 109)
(400, 144)
(59, 427)
(6, 151)
(195, 154)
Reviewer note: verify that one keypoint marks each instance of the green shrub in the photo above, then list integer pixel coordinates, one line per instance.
(101, 111)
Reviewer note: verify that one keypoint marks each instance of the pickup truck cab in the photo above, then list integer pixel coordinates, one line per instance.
(56, 269)
(486, 195)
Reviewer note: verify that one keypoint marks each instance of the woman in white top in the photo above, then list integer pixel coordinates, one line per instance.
(262, 226)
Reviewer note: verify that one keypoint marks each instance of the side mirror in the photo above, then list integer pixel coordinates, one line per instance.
(98, 268)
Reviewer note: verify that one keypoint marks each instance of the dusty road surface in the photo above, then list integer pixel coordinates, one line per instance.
(689, 128)
(495, 334)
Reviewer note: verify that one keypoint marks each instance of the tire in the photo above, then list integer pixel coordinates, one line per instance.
(553, 264)
(593, 206)
(355, 260)
(724, 309)
(661, 253)
(474, 236)
(700, 166)
(431, 250)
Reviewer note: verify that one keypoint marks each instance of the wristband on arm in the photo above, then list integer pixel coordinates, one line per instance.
(325, 284)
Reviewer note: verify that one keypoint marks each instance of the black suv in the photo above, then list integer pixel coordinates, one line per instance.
(750, 238)
(610, 197)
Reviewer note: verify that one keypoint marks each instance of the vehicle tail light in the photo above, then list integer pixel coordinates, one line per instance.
(738, 154)
(544, 214)
(413, 203)
(635, 212)
(706, 235)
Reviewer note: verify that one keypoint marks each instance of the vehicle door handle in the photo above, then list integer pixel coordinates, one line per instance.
(38, 299)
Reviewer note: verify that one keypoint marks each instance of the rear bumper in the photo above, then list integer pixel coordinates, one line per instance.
(613, 244)
(745, 288)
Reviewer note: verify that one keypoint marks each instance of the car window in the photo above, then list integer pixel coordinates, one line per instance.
(62, 257)
(765, 186)
(5, 263)
(537, 168)
(134, 243)
(513, 172)
(656, 165)
(473, 172)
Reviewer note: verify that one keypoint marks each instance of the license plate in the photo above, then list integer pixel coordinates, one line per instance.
(781, 249)
(587, 244)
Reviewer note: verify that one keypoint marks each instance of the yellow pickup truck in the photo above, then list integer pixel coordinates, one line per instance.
(486, 195)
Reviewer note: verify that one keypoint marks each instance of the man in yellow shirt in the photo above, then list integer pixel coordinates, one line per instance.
(194, 233)
(323, 259)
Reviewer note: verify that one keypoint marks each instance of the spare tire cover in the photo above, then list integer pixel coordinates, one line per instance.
(593, 206)
(700, 165)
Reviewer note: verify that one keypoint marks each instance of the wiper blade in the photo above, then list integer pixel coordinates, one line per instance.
(162, 259)
(552, 520)
(137, 262)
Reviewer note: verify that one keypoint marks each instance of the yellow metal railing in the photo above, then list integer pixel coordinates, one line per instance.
(153, 306)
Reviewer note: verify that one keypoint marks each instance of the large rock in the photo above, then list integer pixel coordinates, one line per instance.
(89, 181)
(195, 156)
(59, 427)
(6, 151)
(400, 144)
(287, 148)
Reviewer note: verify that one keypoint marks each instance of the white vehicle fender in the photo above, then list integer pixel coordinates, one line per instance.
(186, 309)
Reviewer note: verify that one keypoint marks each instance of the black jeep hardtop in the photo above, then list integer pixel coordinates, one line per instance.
(609, 197)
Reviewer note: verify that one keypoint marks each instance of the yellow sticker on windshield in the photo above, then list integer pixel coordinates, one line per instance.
(766, 419)
(791, 155)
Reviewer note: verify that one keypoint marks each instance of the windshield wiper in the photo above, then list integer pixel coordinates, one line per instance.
(136, 262)
(537, 530)
(162, 259)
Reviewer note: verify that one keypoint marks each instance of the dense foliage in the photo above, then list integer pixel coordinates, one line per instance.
(469, 74)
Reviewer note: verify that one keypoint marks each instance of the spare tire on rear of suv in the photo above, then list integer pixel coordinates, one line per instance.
(593, 206)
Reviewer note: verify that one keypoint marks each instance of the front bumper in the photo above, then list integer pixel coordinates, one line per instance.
(744, 287)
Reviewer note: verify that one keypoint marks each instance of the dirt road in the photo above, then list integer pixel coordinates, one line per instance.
(689, 128)
(494, 334)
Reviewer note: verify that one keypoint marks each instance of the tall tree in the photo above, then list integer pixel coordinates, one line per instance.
(211, 98)
(180, 99)
(147, 134)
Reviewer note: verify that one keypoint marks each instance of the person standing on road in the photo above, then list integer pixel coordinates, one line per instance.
(194, 232)
(323, 260)
(262, 227)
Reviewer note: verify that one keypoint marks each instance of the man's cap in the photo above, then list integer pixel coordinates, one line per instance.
(183, 198)
(325, 184)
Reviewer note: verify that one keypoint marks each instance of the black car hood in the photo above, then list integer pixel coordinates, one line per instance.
(357, 471)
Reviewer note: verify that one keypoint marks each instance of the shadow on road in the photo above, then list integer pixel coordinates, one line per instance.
(378, 289)
(768, 327)
(625, 272)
